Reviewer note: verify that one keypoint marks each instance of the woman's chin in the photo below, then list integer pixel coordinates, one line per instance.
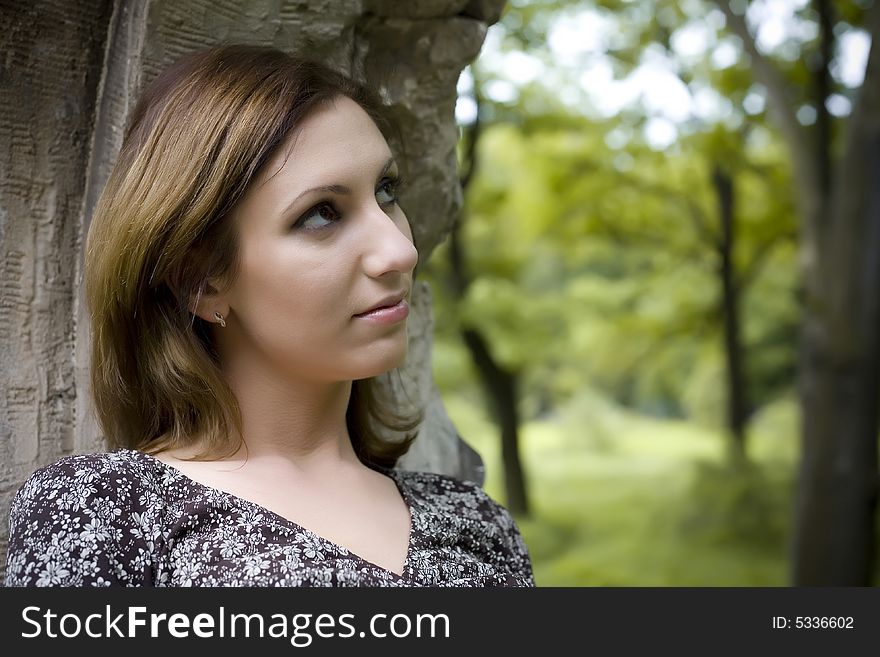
(384, 361)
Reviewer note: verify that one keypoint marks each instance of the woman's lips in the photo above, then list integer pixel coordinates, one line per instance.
(388, 314)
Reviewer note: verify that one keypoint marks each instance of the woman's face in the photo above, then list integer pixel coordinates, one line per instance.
(312, 260)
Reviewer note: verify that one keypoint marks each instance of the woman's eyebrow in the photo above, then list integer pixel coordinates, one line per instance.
(335, 189)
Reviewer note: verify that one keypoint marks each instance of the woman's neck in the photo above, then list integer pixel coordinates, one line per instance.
(298, 426)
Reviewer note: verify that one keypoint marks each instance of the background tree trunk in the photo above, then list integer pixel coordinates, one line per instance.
(836, 502)
(737, 410)
(834, 541)
(499, 384)
(501, 388)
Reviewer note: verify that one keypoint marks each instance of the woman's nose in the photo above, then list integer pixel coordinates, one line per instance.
(388, 244)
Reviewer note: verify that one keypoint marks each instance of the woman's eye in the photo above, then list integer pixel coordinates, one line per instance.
(318, 217)
(387, 191)
(324, 214)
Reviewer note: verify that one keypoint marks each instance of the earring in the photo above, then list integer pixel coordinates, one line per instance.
(220, 319)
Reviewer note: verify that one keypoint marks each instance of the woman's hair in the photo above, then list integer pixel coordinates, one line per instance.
(198, 136)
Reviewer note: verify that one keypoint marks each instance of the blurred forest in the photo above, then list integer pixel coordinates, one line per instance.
(657, 317)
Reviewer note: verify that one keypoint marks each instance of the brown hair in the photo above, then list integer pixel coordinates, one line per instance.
(200, 132)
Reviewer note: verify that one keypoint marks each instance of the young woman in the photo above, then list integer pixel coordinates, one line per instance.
(248, 272)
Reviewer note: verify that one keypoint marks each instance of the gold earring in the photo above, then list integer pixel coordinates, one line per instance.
(220, 319)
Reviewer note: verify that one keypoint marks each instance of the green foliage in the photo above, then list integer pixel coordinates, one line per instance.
(582, 271)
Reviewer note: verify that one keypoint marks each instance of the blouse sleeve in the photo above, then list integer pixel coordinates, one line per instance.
(76, 523)
(519, 561)
(508, 546)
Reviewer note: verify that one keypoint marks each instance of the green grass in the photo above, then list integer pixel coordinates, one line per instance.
(623, 500)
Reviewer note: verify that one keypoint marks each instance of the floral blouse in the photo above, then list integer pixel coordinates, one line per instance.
(126, 518)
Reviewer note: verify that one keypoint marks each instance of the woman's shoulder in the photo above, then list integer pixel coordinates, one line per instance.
(117, 472)
(435, 482)
(465, 508)
(445, 494)
(117, 487)
(85, 519)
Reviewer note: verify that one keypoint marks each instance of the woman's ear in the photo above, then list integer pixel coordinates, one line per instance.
(208, 302)
(204, 301)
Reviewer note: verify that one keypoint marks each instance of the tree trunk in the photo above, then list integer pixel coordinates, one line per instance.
(500, 386)
(837, 489)
(834, 541)
(836, 502)
(736, 398)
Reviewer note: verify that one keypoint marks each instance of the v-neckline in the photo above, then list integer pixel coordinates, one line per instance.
(284, 521)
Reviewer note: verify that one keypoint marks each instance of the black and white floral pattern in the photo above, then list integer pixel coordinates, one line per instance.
(126, 518)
